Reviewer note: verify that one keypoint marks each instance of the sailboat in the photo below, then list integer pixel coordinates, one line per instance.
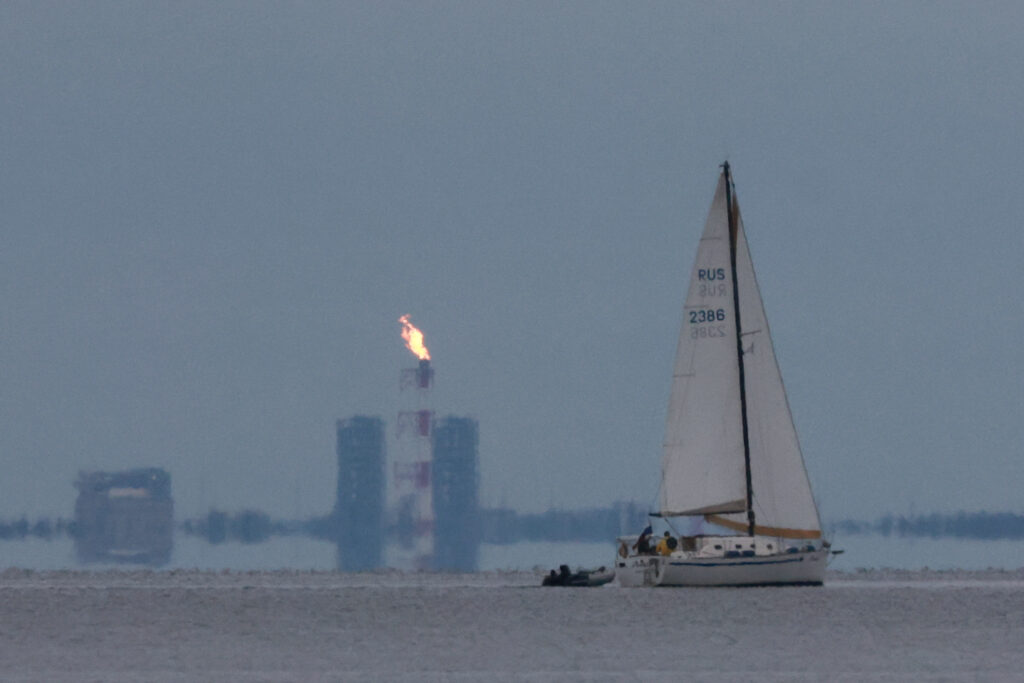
(731, 456)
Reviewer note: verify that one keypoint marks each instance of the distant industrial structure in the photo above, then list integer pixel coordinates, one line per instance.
(124, 517)
(410, 503)
(457, 527)
(447, 461)
(359, 504)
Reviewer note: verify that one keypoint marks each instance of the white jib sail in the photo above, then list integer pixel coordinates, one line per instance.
(703, 468)
(783, 503)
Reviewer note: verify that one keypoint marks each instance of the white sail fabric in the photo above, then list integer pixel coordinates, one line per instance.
(783, 503)
(704, 449)
(702, 466)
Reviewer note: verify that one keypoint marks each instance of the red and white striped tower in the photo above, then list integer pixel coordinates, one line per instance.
(412, 503)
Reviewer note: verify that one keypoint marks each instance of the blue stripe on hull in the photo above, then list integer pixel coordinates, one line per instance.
(766, 584)
(733, 564)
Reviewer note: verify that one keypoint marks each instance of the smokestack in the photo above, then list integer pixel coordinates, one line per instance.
(424, 374)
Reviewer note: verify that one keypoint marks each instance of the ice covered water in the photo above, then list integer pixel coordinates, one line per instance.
(325, 626)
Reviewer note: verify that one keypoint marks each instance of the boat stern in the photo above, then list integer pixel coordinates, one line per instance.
(633, 570)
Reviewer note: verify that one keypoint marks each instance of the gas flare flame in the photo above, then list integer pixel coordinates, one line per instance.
(413, 338)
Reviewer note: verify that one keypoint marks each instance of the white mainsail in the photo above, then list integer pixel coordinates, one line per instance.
(703, 467)
(700, 471)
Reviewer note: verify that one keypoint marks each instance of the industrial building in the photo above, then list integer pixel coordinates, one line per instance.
(455, 485)
(124, 517)
(359, 505)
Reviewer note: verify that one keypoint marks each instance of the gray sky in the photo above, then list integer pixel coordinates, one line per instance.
(213, 214)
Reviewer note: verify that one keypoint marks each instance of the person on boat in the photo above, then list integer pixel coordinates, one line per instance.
(643, 544)
(663, 547)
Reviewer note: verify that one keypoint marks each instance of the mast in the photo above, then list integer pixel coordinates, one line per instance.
(739, 345)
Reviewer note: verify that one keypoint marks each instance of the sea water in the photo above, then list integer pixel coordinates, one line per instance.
(501, 626)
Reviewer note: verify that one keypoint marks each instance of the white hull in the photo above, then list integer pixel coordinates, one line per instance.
(805, 568)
